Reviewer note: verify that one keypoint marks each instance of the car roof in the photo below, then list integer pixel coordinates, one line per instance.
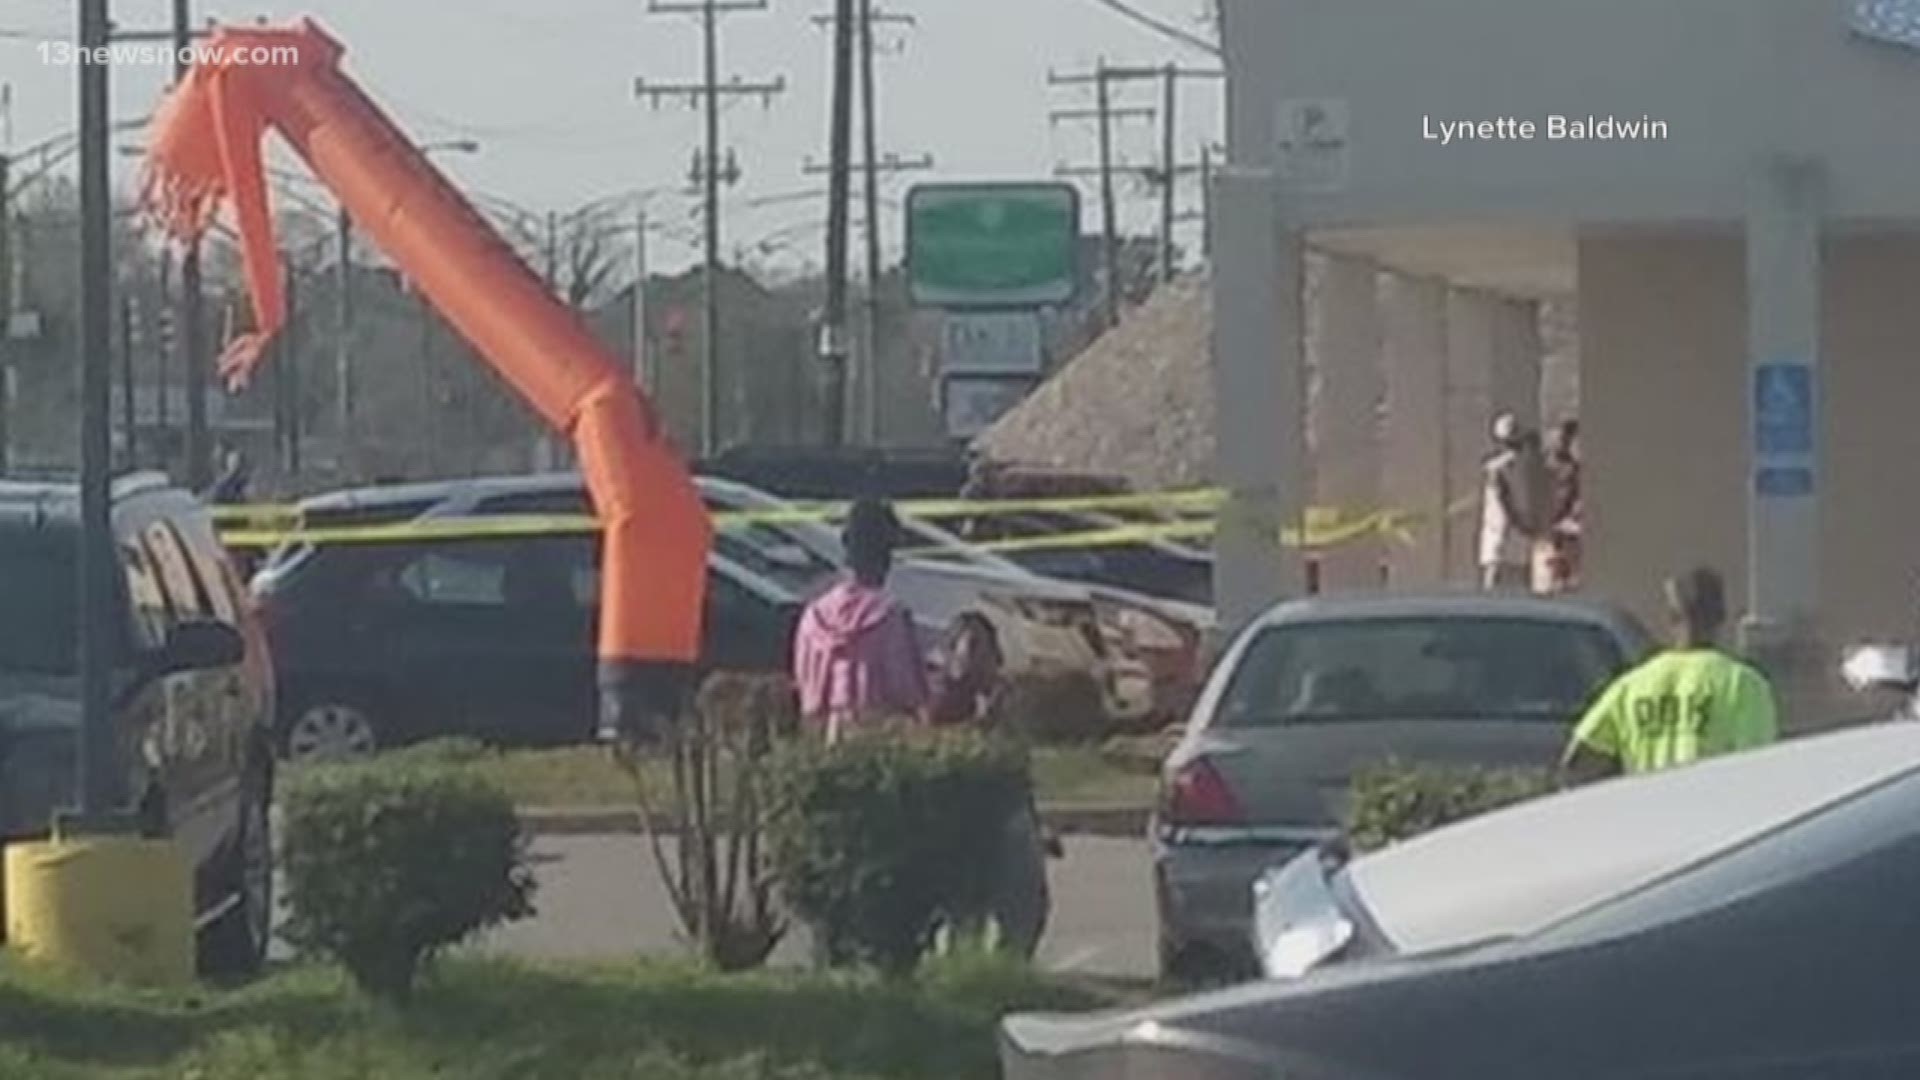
(1517, 871)
(44, 503)
(1465, 604)
(438, 491)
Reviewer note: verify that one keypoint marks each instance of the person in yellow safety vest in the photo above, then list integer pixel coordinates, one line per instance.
(1692, 701)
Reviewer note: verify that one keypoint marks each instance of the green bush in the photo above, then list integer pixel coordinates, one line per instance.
(390, 861)
(1395, 801)
(1055, 707)
(886, 836)
(451, 751)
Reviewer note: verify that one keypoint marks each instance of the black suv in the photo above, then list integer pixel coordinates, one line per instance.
(192, 693)
(387, 643)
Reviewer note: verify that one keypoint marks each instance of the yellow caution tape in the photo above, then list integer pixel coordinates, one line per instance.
(1322, 527)
(1321, 531)
(1193, 501)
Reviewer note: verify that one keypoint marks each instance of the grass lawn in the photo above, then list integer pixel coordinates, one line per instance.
(586, 777)
(479, 1020)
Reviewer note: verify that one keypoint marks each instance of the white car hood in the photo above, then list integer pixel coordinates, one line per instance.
(1517, 871)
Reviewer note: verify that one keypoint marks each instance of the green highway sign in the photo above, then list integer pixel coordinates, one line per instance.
(1005, 245)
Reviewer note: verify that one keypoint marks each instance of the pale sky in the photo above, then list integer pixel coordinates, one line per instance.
(546, 88)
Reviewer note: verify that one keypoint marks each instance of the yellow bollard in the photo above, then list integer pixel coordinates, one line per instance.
(115, 908)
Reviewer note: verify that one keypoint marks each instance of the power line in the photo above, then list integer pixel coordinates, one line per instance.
(1160, 26)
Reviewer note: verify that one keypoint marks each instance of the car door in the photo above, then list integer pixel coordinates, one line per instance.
(186, 737)
(487, 637)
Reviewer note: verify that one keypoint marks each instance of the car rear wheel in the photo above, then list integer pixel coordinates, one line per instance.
(326, 731)
(235, 944)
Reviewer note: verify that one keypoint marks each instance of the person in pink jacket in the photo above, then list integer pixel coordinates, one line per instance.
(856, 657)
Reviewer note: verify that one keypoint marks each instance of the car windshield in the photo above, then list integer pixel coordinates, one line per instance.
(37, 578)
(1432, 668)
(799, 560)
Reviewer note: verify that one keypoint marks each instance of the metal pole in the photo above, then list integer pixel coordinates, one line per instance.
(343, 331)
(1109, 213)
(290, 363)
(642, 353)
(1206, 201)
(129, 455)
(710, 286)
(6, 312)
(833, 345)
(429, 378)
(163, 345)
(97, 781)
(870, 325)
(193, 314)
(1169, 144)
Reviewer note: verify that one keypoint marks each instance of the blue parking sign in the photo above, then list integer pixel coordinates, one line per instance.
(1783, 409)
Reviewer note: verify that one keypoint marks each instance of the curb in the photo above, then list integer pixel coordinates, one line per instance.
(1107, 822)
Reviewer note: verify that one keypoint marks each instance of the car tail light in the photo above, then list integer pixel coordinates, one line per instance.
(1198, 796)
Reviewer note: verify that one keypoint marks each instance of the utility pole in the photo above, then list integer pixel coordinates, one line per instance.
(642, 348)
(192, 304)
(6, 308)
(1169, 121)
(1206, 201)
(129, 455)
(289, 367)
(707, 95)
(869, 368)
(163, 347)
(867, 16)
(833, 332)
(1103, 114)
(98, 779)
(343, 387)
(1165, 173)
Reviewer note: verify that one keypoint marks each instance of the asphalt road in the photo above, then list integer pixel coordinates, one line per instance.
(601, 898)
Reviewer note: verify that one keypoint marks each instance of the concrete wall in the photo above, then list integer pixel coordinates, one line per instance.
(1663, 394)
(1414, 444)
(1732, 78)
(1344, 346)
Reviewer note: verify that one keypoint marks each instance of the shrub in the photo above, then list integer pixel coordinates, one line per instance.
(390, 861)
(884, 837)
(1052, 707)
(459, 751)
(717, 875)
(1394, 801)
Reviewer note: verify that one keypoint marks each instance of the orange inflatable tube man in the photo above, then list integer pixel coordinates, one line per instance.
(205, 152)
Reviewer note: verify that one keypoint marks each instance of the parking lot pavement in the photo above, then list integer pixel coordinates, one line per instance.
(601, 898)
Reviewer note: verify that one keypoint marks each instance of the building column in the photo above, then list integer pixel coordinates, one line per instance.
(1469, 419)
(1517, 355)
(1344, 339)
(1259, 389)
(1783, 396)
(1413, 476)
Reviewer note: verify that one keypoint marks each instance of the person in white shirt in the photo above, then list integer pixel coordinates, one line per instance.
(1508, 504)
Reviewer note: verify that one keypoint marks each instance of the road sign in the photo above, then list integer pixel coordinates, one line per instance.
(971, 403)
(991, 343)
(1783, 409)
(993, 245)
(1313, 144)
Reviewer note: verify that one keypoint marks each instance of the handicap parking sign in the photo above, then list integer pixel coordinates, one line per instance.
(1783, 409)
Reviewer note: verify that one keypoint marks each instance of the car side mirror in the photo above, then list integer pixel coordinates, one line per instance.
(1881, 667)
(200, 646)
